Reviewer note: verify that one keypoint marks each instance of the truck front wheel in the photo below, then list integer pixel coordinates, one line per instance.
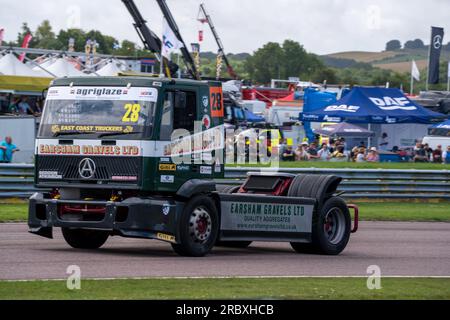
(330, 229)
(85, 239)
(199, 227)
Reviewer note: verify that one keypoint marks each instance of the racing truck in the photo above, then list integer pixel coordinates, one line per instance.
(129, 156)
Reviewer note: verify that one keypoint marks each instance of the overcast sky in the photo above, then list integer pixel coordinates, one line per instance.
(322, 26)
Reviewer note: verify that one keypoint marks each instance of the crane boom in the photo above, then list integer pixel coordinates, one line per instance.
(150, 40)
(219, 42)
(192, 69)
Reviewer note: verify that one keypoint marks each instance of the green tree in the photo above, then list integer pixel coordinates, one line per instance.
(322, 74)
(414, 44)
(77, 34)
(393, 45)
(127, 48)
(266, 63)
(275, 61)
(105, 43)
(295, 60)
(45, 37)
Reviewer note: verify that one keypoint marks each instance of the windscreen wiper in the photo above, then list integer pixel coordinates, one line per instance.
(107, 134)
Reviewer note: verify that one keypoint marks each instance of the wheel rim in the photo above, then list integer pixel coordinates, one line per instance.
(200, 225)
(334, 225)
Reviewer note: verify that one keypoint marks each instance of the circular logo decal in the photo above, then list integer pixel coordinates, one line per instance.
(86, 168)
(206, 121)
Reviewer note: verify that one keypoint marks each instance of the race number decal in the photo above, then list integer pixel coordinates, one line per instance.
(216, 101)
(131, 112)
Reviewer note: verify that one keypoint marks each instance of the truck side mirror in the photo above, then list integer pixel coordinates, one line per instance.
(44, 93)
(180, 100)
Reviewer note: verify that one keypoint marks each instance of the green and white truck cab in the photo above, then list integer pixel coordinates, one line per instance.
(138, 157)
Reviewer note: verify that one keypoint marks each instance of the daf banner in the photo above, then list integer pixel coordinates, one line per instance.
(437, 37)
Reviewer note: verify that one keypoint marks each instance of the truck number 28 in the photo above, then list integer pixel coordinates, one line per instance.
(216, 102)
(131, 113)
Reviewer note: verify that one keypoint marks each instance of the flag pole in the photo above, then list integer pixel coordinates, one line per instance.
(411, 91)
(161, 62)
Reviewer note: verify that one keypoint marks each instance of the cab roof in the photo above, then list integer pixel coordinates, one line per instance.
(139, 81)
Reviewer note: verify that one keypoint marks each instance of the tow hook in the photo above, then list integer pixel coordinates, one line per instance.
(356, 216)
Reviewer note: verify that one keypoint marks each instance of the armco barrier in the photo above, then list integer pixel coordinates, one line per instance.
(371, 183)
(16, 181)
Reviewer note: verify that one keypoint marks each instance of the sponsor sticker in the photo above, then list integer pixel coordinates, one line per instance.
(206, 121)
(277, 217)
(124, 178)
(103, 93)
(165, 209)
(389, 103)
(165, 237)
(205, 101)
(167, 179)
(205, 170)
(342, 107)
(183, 167)
(216, 101)
(49, 175)
(167, 167)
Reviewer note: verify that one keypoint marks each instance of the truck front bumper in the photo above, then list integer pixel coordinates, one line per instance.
(149, 217)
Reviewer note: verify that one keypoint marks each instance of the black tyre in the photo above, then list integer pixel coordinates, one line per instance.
(199, 227)
(331, 229)
(84, 238)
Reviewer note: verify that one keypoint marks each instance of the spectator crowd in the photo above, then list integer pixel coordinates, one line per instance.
(336, 150)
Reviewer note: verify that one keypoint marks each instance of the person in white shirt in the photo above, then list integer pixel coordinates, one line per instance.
(360, 157)
(324, 153)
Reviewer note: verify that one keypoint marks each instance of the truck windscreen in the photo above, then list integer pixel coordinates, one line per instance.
(97, 113)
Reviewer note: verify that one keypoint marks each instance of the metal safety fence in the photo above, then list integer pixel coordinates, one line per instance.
(16, 181)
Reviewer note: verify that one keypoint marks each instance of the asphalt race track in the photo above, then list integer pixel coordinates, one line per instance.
(398, 248)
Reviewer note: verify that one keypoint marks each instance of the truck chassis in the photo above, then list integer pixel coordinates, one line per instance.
(304, 210)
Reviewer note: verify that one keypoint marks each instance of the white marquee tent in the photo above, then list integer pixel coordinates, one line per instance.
(11, 66)
(63, 68)
(110, 69)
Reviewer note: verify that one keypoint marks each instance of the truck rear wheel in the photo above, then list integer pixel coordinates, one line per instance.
(84, 238)
(199, 227)
(330, 229)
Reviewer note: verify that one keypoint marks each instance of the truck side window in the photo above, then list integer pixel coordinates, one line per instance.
(185, 110)
(167, 117)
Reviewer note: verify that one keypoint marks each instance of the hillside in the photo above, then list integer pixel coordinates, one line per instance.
(399, 61)
(402, 66)
(363, 56)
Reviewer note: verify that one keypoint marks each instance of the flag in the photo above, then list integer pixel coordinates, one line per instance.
(415, 71)
(25, 44)
(170, 42)
(2, 33)
(448, 70)
(437, 37)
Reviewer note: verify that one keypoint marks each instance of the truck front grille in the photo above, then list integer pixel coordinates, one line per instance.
(117, 169)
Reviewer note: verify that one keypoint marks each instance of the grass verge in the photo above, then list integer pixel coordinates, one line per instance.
(13, 212)
(369, 211)
(231, 288)
(403, 211)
